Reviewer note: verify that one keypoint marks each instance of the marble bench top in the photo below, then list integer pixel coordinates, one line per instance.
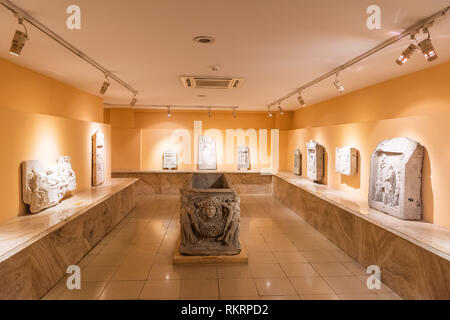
(18, 233)
(426, 235)
(196, 171)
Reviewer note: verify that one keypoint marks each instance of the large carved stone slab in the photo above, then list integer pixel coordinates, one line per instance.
(210, 216)
(98, 158)
(396, 178)
(347, 161)
(207, 157)
(297, 162)
(243, 158)
(170, 160)
(314, 161)
(45, 187)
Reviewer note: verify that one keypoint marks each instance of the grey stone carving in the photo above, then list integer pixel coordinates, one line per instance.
(297, 162)
(243, 158)
(346, 161)
(396, 178)
(314, 161)
(45, 187)
(98, 158)
(210, 216)
(170, 160)
(207, 158)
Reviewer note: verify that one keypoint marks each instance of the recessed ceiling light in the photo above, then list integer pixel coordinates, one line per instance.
(204, 40)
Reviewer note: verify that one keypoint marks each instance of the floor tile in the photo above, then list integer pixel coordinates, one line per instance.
(266, 270)
(299, 270)
(280, 298)
(88, 291)
(319, 297)
(125, 273)
(122, 290)
(233, 272)
(237, 287)
(199, 272)
(318, 256)
(274, 287)
(289, 257)
(311, 285)
(359, 296)
(161, 289)
(201, 288)
(261, 257)
(167, 272)
(97, 273)
(331, 269)
(106, 260)
(344, 285)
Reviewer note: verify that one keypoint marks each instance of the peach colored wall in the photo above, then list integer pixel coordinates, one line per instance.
(27, 136)
(416, 106)
(139, 140)
(28, 91)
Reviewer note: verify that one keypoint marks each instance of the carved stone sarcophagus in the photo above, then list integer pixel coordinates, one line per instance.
(210, 216)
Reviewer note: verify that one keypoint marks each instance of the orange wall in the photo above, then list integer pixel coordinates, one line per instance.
(141, 136)
(41, 119)
(416, 106)
(25, 90)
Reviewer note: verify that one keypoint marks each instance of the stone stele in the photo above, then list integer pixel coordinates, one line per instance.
(170, 160)
(314, 161)
(210, 216)
(346, 161)
(207, 158)
(243, 158)
(98, 158)
(396, 178)
(45, 187)
(297, 162)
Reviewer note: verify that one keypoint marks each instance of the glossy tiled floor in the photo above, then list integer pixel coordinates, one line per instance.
(288, 259)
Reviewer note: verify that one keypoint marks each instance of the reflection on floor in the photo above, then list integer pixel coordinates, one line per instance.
(288, 259)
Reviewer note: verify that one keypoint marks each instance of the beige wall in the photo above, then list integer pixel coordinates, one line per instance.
(42, 119)
(416, 106)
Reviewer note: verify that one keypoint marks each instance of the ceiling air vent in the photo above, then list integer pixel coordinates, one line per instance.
(210, 82)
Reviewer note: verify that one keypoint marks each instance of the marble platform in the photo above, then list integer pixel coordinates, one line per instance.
(170, 182)
(414, 256)
(36, 250)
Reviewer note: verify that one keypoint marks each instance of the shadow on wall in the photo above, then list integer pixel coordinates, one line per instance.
(325, 166)
(353, 181)
(427, 189)
(23, 208)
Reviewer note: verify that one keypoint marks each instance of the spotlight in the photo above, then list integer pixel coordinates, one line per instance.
(300, 99)
(406, 55)
(18, 42)
(269, 112)
(281, 110)
(209, 113)
(168, 112)
(234, 113)
(105, 85)
(427, 48)
(133, 101)
(338, 84)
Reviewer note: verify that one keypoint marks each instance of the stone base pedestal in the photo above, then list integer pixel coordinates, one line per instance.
(179, 258)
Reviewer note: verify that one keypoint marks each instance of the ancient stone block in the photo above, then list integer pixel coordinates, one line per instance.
(170, 160)
(207, 158)
(98, 158)
(243, 158)
(297, 162)
(314, 161)
(346, 160)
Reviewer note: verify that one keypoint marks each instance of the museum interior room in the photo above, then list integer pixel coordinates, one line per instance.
(225, 150)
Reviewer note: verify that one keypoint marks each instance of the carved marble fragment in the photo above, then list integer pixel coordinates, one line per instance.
(207, 158)
(45, 187)
(396, 178)
(346, 160)
(314, 161)
(297, 162)
(98, 158)
(170, 160)
(210, 216)
(243, 158)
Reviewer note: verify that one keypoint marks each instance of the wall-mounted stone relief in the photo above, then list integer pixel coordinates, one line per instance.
(210, 216)
(98, 158)
(315, 158)
(243, 158)
(396, 178)
(207, 157)
(297, 162)
(347, 161)
(45, 187)
(170, 160)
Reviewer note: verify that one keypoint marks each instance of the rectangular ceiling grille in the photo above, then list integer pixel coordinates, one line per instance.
(210, 83)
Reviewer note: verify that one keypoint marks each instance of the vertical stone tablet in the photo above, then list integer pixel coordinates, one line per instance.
(314, 161)
(170, 160)
(297, 162)
(98, 158)
(243, 158)
(346, 161)
(207, 158)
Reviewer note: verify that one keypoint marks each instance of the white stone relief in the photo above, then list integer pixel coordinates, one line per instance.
(396, 178)
(170, 160)
(314, 161)
(243, 158)
(297, 162)
(207, 157)
(98, 158)
(45, 187)
(347, 161)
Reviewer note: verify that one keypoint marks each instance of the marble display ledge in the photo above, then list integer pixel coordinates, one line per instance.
(425, 235)
(264, 173)
(19, 233)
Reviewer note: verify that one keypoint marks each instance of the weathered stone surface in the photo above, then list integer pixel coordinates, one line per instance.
(314, 161)
(207, 157)
(170, 160)
(396, 178)
(297, 162)
(346, 160)
(210, 216)
(46, 187)
(98, 158)
(243, 158)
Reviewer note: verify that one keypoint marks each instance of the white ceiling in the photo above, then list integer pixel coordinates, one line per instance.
(276, 45)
